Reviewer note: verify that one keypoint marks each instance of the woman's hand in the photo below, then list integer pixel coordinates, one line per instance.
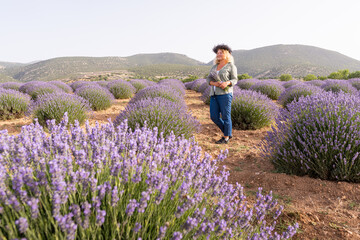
(223, 85)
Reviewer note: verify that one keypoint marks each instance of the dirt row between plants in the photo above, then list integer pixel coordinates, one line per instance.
(324, 209)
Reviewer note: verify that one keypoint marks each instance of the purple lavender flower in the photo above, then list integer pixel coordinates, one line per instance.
(22, 223)
(295, 92)
(13, 104)
(336, 86)
(137, 227)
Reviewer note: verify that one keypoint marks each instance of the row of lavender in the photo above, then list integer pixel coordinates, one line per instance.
(50, 100)
(120, 182)
(316, 133)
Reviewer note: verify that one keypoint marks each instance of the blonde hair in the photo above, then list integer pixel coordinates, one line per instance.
(228, 57)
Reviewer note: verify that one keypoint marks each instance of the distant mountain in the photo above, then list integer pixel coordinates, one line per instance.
(297, 60)
(264, 62)
(10, 64)
(70, 67)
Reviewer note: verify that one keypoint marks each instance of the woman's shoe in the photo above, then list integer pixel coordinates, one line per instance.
(222, 141)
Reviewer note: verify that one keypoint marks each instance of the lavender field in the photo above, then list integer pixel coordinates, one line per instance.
(152, 173)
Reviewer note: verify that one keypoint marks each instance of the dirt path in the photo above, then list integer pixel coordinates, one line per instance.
(324, 209)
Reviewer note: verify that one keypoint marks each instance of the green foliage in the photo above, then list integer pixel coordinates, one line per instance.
(244, 76)
(55, 105)
(121, 89)
(13, 104)
(355, 74)
(99, 98)
(322, 77)
(285, 77)
(310, 77)
(190, 78)
(252, 110)
(341, 74)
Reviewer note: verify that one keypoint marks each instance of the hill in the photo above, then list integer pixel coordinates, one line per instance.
(297, 60)
(72, 67)
(264, 62)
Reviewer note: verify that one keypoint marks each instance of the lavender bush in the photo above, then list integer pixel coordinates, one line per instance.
(65, 87)
(13, 104)
(271, 88)
(205, 97)
(159, 112)
(203, 87)
(102, 83)
(175, 84)
(55, 105)
(291, 83)
(197, 83)
(318, 136)
(252, 110)
(336, 86)
(112, 183)
(78, 84)
(99, 98)
(11, 85)
(188, 85)
(121, 89)
(37, 88)
(316, 82)
(247, 83)
(139, 84)
(158, 90)
(355, 82)
(295, 92)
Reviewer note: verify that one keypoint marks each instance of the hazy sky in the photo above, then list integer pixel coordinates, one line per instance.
(42, 29)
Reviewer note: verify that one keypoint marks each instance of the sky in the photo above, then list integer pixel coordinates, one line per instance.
(43, 29)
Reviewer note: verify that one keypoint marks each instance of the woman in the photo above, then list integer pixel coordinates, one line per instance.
(222, 79)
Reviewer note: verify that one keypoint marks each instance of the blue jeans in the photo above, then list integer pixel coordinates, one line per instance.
(222, 104)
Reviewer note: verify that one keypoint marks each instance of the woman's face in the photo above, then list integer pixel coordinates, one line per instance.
(220, 55)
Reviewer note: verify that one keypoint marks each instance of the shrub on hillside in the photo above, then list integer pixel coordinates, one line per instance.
(99, 98)
(13, 104)
(244, 76)
(11, 85)
(166, 115)
(271, 88)
(158, 90)
(121, 89)
(55, 105)
(317, 136)
(65, 87)
(310, 77)
(295, 92)
(252, 110)
(285, 77)
(247, 83)
(112, 183)
(336, 86)
(37, 88)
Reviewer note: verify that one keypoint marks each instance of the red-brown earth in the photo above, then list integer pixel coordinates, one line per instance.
(323, 209)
